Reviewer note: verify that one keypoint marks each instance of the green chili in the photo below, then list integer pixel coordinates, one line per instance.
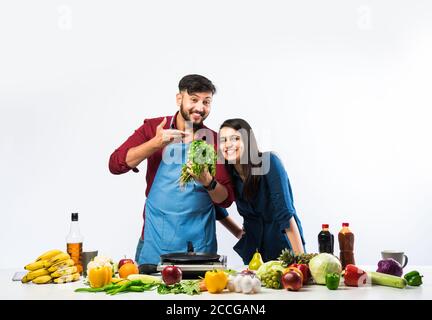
(105, 288)
(89, 290)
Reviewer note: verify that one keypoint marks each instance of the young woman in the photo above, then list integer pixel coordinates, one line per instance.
(263, 196)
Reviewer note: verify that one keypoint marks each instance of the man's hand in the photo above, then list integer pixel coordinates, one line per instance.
(204, 178)
(164, 137)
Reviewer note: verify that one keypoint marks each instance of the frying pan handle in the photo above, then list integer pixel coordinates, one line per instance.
(190, 247)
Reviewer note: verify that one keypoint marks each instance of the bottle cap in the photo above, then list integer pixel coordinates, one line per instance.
(325, 226)
(345, 224)
(74, 216)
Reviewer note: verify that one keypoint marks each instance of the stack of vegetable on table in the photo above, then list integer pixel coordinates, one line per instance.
(290, 271)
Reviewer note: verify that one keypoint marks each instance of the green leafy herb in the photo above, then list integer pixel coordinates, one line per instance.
(202, 155)
(190, 287)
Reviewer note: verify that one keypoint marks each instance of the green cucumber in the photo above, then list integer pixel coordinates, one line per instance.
(383, 279)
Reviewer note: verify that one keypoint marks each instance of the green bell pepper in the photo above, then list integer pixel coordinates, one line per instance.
(332, 280)
(414, 278)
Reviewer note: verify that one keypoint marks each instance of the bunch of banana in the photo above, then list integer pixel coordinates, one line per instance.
(52, 266)
(33, 275)
(64, 271)
(61, 264)
(67, 278)
(41, 260)
(57, 258)
(42, 279)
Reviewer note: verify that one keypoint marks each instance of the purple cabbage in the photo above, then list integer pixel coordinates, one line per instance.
(390, 266)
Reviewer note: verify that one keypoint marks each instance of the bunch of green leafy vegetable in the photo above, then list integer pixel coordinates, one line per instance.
(190, 287)
(202, 156)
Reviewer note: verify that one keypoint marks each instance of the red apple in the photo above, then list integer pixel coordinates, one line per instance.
(124, 261)
(294, 269)
(292, 281)
(304, 268)
(171, 275)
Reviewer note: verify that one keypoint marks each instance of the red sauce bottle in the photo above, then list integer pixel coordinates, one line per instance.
(346, 245)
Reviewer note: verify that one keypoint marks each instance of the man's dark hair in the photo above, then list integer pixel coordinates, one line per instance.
(193, 83)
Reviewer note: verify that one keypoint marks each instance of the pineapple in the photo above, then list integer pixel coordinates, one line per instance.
(288, 257)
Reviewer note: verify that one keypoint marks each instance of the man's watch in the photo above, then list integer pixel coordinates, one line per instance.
(212, 185)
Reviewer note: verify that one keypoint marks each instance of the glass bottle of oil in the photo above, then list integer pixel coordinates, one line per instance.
(74, 242)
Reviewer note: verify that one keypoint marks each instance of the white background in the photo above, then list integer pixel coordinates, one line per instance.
(341, 90)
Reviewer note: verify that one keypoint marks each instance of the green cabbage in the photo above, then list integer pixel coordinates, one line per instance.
(322, 264)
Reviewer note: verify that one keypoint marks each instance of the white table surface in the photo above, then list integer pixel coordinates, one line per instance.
(29, 291)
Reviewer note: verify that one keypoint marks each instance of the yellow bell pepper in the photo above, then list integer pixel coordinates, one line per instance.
(99, 276)
(215, 281)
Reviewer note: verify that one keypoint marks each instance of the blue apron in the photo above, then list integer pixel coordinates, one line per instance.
(174, 216)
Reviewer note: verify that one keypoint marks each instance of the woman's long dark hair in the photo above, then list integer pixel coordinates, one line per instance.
(250, 153)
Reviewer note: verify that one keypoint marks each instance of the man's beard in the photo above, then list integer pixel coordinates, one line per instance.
(186, 116)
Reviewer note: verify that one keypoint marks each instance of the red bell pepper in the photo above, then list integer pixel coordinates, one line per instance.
(304, 268)
(355, 277)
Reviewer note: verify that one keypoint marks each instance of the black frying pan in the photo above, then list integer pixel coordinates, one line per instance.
(189, 257)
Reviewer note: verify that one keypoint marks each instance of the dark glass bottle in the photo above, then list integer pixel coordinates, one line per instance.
(325, 240)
